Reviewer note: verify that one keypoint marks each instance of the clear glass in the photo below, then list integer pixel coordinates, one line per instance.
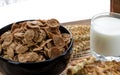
(105, 36)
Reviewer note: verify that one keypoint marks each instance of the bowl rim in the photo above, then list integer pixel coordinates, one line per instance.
(45, 61)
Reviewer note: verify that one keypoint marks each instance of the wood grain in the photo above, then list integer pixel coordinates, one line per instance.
(115, 6)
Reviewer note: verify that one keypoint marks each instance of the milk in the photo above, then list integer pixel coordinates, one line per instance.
(105, 36)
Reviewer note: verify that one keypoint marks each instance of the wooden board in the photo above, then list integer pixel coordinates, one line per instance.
(115, 6)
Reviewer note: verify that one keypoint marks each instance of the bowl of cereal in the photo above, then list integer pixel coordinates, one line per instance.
(34, 47)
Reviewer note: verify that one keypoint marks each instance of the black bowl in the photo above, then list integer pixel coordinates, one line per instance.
(48, 67)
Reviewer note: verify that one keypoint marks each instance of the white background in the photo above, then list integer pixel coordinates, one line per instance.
(63, 10)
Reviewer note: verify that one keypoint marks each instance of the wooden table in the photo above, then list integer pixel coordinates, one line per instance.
(81, 22)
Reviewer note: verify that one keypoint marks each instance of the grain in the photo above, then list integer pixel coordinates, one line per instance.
(81, 36)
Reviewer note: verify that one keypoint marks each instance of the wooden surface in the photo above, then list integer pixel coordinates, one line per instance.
(80, 22)
(115, 6)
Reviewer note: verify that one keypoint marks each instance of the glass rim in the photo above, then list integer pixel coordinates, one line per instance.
(103, 15)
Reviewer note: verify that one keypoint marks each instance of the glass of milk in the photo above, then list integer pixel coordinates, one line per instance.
(105, 36)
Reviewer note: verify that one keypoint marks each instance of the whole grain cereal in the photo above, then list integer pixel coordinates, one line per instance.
(33, 41)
